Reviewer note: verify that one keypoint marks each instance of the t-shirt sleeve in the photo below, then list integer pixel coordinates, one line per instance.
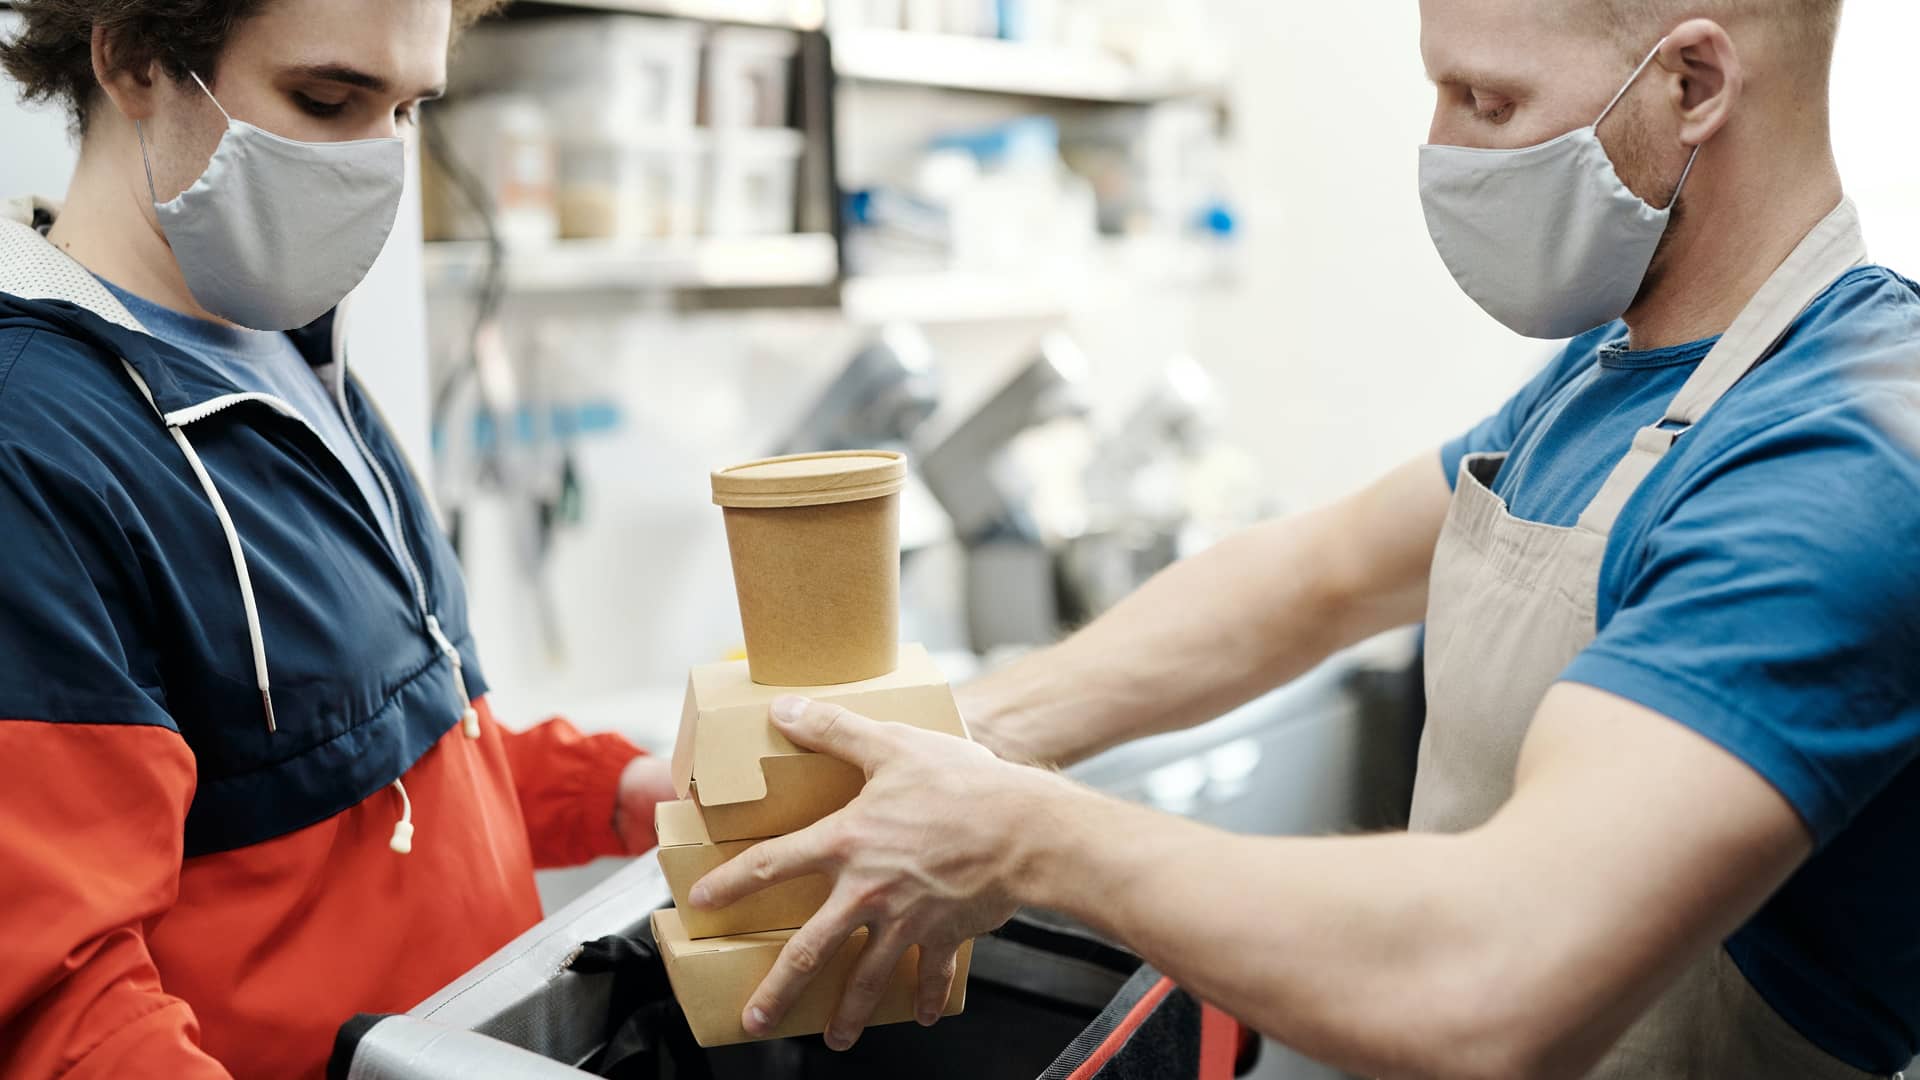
(1773, 611)
(1500, 431)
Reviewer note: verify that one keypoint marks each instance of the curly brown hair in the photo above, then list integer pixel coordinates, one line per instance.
(52, 55)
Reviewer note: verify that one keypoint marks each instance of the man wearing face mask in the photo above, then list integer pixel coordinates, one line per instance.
(249, 782)
(1662, 825)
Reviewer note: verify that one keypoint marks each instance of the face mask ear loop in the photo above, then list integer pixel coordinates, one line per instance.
(1684, 173)
(1631, 79)
(140, 130)
(229, 116)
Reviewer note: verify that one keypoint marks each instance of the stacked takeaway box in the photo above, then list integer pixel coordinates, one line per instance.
(816, 563)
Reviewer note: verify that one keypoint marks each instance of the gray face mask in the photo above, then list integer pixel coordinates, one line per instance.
(1547, 238)
(276, 232)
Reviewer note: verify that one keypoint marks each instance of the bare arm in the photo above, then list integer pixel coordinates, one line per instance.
(1523, 948)
(1223, 627)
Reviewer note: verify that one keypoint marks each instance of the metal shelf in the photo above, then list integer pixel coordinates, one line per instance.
(988, 65)
(1106, 275)
(789, 14)
(957, 296)
(806, 260)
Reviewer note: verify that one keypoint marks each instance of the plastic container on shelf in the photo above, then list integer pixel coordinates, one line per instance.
(753, 175)
(640, 187)
(504, 142)
(605, 73)
(749, 73)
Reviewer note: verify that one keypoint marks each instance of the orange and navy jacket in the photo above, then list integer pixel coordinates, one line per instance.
(213, 671)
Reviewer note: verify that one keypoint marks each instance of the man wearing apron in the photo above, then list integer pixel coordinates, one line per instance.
(1664, 822)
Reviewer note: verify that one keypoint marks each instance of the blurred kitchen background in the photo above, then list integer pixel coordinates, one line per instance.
(1121, 275)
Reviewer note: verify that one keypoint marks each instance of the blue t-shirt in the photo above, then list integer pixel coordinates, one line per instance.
(267, 363)
(1762, 587)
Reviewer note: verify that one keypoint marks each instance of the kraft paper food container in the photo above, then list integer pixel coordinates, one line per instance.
(687, 855)
(750, 781)
(815, 540)
(713, 977)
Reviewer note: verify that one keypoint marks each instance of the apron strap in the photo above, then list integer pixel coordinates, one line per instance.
(1834, 247)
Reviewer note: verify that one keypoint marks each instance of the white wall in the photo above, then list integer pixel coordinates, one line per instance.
(1874, 131)
(37, 157)
(387, 334)
(1349, 348)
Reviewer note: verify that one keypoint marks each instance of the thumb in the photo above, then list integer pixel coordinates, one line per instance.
(831, 729)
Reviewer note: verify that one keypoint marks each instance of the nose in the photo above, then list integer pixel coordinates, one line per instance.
(386, 126)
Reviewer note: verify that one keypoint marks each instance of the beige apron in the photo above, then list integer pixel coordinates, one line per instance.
(1512, 603)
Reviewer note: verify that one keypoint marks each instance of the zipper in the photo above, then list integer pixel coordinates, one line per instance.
(468, 715)
(393, 504)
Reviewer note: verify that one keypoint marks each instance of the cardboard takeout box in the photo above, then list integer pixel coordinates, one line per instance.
(687, 855)
(751, 781)
(713, 978)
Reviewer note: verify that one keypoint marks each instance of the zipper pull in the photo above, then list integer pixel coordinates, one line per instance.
(469, 716)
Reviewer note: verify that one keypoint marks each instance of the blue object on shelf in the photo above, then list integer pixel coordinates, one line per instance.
(1218, 220)
(528, 427)
(1026, 136)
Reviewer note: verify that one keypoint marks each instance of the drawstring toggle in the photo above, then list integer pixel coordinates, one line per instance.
(402, 842)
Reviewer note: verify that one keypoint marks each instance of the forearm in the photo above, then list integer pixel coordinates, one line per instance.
(1203, 636)
(1524, 947)
(1340, 948)
(1225, 626)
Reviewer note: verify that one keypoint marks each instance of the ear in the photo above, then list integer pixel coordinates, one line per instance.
(1709, 78)
(130, 86)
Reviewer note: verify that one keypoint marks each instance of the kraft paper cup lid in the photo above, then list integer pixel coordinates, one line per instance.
(811, 479)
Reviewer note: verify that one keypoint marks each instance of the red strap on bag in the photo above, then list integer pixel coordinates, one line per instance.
(1220, 1044)
(1124, 1031)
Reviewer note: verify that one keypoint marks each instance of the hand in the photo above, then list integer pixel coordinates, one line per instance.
(646, 781)
(927, 855)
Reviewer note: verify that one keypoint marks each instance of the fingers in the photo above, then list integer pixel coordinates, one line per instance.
(937, 966)
(805, 953)
(872, 974)
(831, 729)
(769, 862)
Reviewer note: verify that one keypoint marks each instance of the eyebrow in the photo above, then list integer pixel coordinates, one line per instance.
(351, 76)
(1471, 77)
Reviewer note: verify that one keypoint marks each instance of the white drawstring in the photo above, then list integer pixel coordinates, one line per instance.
(254, 637)
(239, 556)
(469, 716)
(402, 842)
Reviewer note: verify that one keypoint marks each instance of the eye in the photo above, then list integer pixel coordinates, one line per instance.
(1490, 108)
(315, 107)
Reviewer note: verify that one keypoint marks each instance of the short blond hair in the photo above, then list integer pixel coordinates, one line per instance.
(1810, 27)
